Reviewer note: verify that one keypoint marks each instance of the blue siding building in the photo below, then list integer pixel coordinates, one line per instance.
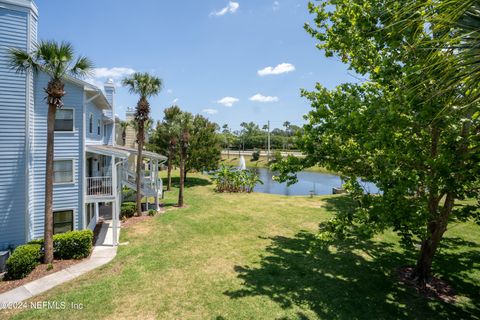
(89, 168)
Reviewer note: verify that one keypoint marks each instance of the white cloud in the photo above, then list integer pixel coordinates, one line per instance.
(228, 101)
(210, 111)
(101, 75)
(232, 7)
(175, 100)
(261, 98)
(279, 69)
(276, 5)
(169, 91)
(114, 73)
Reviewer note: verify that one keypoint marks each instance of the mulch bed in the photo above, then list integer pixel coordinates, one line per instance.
(435, 288)
(136, 219)
(39, 272)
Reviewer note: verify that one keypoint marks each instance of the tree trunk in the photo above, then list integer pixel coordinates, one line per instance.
(140, 140)
(169, 176)
(169, 169)
(436, 229)
(48, 229)
(182, 181)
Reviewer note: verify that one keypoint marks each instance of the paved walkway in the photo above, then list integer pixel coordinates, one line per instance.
(103, 252)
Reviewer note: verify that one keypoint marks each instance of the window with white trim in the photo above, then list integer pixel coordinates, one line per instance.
(99, 127)
(64, 120)
(90, 123)
(62, 221)
(63, 171)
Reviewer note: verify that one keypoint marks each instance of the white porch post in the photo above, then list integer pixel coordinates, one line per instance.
(115, 205)
(155, 185)
(96, 211)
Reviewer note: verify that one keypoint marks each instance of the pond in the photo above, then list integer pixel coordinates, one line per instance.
(318, 183)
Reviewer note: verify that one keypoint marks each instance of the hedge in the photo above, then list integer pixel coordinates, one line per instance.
(73, 244)
(23, 260)
(128, 209)
(70, 245)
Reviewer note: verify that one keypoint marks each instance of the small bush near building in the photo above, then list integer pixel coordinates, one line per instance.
(70, 245)
(128, 195)
(73, 244)
(128, 209)
(23, 260)
(151, 212)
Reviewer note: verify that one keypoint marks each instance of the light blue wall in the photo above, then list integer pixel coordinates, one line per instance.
(68, 145)
(14, 103)
(94, 138)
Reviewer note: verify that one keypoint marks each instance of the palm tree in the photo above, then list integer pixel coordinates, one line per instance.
(57, 60)
(145, 86)
(124, 125)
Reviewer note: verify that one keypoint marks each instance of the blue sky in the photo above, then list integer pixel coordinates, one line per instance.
(207, 52)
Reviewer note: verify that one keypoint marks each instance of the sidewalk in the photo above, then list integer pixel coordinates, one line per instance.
(103, 252)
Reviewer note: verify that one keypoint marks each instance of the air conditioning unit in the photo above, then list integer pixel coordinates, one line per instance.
(3, 260)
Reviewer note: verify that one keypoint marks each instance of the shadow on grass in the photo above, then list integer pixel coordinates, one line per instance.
(356, 278)
(191, 182)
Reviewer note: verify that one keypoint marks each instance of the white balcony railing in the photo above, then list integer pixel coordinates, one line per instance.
(99, 186)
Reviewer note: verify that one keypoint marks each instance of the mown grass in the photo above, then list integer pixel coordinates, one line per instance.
(249, 256)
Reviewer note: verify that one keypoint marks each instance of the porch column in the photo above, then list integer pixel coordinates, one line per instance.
(96, 211)
(114, 222)
(115, 205)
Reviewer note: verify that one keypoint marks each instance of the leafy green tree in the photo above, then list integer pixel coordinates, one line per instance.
(57, 60)
(204, 151)
(390, 129)
(146, 86)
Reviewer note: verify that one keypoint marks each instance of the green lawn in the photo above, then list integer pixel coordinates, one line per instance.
(239, 256)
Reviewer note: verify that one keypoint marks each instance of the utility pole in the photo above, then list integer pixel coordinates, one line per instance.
(268, 137)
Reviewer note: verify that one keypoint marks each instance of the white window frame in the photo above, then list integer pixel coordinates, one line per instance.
(90, 121)
(99, 127)
(73, 120)
(73, 171)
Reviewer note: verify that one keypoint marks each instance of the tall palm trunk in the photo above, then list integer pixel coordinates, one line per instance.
(48, 228)
(140, 141)
(183, 158)
(182, 181)
(169, 168)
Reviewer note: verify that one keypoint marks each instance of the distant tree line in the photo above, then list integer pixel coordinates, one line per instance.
(252, 136)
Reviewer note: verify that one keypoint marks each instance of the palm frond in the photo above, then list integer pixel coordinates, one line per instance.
(143, 84)
(21, 61)
(82, 67)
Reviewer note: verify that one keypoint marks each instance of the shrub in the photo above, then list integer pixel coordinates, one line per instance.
(23, 260)
(228, 179)
(276, 157)
(128, 195)
(128, 209)
(70, 245)
(255, 155)
(73, 244)
(151, 212)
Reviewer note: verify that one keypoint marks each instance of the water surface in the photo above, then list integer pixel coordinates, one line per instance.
(308, 182)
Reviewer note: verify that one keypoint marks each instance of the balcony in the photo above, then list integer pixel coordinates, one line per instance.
(99, 186)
